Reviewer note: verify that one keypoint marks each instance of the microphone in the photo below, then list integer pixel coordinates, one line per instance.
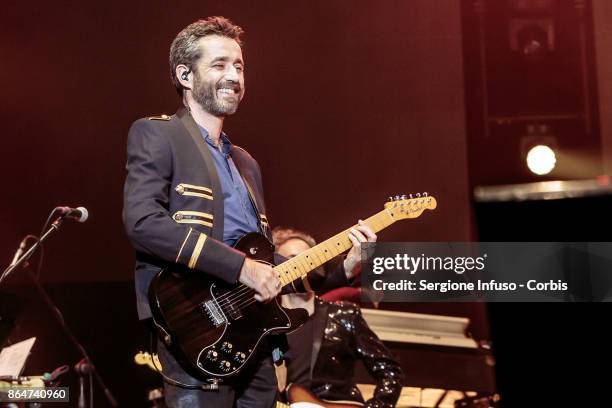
(79, 214)
(20, 251)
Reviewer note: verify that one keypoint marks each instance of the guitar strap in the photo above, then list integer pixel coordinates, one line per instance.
(264, 227)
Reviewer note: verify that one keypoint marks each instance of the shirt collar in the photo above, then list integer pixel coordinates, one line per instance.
(226, 145)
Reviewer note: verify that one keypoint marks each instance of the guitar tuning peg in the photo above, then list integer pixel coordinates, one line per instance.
(425, 194)
(418, 195)
(390, 198)
(397, 198)
(403, 196)
(411, 196)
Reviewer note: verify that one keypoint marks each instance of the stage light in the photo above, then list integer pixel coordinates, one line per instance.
(541, 160)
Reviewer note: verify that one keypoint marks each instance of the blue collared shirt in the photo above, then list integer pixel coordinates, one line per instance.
(239, 216)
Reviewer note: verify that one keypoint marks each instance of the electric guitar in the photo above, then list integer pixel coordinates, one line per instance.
(213, 328)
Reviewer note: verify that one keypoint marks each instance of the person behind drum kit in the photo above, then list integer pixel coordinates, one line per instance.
(323, 351)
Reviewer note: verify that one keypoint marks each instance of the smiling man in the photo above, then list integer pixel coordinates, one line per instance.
(190, 194)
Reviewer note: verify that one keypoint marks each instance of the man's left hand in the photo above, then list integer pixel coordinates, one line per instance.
(352, 263)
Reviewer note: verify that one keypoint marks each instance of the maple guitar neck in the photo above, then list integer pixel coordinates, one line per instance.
(398, 209)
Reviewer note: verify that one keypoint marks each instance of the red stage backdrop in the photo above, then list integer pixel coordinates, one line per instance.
(347, 102)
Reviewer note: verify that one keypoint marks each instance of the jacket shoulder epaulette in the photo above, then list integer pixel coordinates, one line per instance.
(242, 148)
(161, 117)
(243, 152)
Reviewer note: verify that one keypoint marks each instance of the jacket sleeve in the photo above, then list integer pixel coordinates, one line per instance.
(146, 217)
(331, 276)
(380, 363)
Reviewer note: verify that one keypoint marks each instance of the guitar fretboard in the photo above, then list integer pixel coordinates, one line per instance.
(297, 267)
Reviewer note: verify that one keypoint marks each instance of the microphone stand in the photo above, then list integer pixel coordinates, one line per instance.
(56, 312)
(54, 227)
(83, 368)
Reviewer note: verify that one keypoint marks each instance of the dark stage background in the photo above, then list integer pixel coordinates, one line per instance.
(347, 103)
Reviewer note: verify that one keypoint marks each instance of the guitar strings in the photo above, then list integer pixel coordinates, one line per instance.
(240, 305)
(241, 299)
(233, 293)
(236, 296)
(238, 291)
(237, 300)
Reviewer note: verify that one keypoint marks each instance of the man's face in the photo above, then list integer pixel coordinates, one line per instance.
(292, 247)
(218, 82)
(289, 249)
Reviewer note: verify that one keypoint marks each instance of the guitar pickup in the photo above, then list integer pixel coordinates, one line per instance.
(214, 313)
(233, 312)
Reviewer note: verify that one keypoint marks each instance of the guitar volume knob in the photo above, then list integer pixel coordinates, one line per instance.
(225, 366)
(226, 346)
(240, 357)
(212, 355)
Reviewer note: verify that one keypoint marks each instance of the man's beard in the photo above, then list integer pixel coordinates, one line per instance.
(206, 95)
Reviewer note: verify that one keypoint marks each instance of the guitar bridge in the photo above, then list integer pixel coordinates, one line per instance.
(213, 312)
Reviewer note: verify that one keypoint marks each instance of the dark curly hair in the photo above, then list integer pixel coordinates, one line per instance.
(185, 49)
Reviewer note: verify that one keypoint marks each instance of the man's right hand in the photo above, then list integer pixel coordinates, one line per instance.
(260, 277)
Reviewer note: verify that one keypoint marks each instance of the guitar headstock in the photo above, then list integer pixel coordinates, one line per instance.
(412, 206)
(144, 358)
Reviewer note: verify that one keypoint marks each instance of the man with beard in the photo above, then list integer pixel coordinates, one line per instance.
(190, 194)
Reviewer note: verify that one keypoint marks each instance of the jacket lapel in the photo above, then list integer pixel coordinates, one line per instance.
(318, 330)
(193, 130)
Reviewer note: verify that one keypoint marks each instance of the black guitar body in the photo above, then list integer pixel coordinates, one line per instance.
(214, 328)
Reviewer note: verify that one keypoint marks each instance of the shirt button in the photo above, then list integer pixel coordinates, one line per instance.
(180, 189)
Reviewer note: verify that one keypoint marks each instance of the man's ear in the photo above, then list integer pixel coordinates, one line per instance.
(184, 76)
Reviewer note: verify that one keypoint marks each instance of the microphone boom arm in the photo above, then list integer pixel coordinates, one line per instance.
(54, 227)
